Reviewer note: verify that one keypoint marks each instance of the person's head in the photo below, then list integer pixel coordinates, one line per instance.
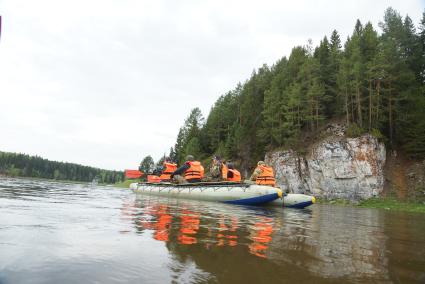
(215, 160)
(190, 158)
(167, 159)
(261, 163)
(230, 165)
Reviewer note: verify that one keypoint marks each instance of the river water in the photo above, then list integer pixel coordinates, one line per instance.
(55, 232)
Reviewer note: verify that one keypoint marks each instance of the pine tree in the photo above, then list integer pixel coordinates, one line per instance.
(369, 49)
(191, 129)
(335, 58)
(147, 165)
(421, 39)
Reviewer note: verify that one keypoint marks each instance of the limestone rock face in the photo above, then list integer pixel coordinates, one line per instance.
(336, 167)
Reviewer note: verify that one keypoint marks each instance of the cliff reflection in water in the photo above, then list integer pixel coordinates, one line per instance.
(325, 242)
(337, 243)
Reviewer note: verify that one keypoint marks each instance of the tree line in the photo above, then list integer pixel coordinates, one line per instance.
(374, 82)
(22, 165)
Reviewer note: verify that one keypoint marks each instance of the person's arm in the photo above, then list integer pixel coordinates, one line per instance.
(255, 174)
(181, 170)
(157, 171)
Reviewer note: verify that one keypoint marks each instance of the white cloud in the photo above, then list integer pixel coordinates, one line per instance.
(104, 83)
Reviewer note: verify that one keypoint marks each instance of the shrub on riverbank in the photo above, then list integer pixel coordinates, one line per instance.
(126, 183)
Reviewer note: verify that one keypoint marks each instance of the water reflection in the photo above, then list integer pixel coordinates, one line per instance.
(216, 225)
(327, 242)
(260, 234)
(53, 232)
(335, 243)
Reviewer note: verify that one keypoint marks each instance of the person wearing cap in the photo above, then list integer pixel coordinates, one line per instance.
(263, 175)
(190, 171)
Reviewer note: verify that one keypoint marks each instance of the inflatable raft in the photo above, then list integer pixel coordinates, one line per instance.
(232, 193)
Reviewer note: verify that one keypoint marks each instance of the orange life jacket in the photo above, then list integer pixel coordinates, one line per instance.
(153, 179)
(169, 169)
(224, 170)
(196, 171)
(236, 176)
(266, 177)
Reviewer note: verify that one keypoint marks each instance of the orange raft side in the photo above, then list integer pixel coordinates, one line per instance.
(133, 173)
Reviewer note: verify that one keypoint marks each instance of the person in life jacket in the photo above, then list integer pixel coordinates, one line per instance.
(263, 175)
(191, 171)
(215, 173)
(168, 169)
(220, 171)
(232, 174)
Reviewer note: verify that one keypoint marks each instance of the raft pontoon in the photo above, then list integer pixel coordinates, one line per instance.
(227, 192)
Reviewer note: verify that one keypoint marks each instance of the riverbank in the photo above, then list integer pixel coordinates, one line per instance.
(380, 203)
(43, 179)
(126, 183)
(393, 204)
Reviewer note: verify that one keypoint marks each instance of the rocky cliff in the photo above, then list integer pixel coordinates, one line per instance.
(334, 167)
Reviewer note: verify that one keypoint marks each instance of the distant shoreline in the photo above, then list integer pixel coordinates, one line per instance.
(23, 165)
(40, 178)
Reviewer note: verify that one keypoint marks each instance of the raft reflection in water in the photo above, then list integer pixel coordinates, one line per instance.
(182, 225)
(273, 243)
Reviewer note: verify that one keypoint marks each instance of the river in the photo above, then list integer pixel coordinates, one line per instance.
(57, 232)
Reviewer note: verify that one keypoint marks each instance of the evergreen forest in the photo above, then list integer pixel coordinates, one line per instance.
(372, 82)
(22, 165)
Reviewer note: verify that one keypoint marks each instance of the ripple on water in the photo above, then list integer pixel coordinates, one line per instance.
(53, 232)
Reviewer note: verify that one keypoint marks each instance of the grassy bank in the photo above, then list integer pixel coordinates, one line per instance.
(382, 203)
(393, 204)
(126, 183)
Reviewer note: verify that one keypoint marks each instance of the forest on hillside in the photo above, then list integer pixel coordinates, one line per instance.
(22, 165)
(373, 82)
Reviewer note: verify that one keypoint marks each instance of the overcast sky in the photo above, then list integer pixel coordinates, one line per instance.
(106, 82)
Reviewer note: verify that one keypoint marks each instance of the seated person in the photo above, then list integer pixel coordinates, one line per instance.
(191, 171)
(216, 169)
(263, 175)
(232, 174)
(167, 169)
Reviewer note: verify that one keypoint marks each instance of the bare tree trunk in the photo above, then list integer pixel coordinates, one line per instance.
(378, 92)
(239, 115)
(346, 106)
(279, 120)
(370, 104)
(317, 114)
(312, 116)
(298, 116)
(390, 118)
(359, 106)
(352, 107)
